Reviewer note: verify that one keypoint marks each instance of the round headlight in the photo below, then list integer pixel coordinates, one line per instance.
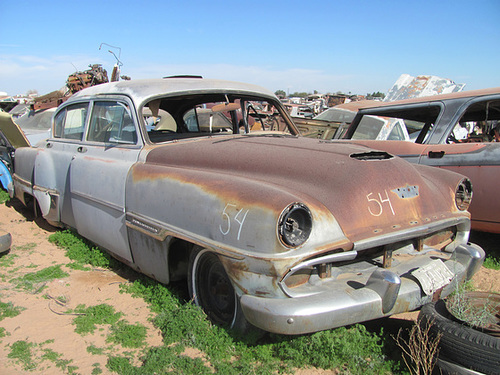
(463, 194)
(295, 224)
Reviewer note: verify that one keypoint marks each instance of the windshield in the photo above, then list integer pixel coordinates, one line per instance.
(212, 114)
(336, 115)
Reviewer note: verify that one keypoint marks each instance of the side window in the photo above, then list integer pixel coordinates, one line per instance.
(477, 124)
(397, 133)
(369, 128)
(111, 122)
(70, 122)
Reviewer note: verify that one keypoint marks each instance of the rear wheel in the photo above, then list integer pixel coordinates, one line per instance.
(211, 289)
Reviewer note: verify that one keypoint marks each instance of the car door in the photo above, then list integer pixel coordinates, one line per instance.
(474, 155)
(52, 164)
(98, 173)
(481, 163)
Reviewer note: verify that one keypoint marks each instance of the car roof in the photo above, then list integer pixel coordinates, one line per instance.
(434, 98)
(144, 90)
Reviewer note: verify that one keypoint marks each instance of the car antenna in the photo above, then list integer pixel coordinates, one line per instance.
(115, 75)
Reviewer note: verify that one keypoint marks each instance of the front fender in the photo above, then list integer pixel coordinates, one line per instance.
(228, 213)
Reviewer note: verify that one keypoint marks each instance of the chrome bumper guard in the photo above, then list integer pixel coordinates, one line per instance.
(382, 293)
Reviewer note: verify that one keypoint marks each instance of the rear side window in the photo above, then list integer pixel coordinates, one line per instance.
(70, 122)
(403, 123)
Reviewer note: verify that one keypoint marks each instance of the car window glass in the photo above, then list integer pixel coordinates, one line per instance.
(397, 133)
(415, 121)
(214, 114)
(368, 128)
(477, 124)
(111, 122)
(70, 122)
(336, 115)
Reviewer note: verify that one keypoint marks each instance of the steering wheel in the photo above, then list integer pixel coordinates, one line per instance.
(251, 107)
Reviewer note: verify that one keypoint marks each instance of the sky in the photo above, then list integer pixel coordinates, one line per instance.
(355, 47)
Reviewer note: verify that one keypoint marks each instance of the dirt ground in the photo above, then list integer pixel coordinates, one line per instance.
(43, 321)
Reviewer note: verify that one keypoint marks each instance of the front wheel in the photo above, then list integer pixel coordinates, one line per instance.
(211, 289)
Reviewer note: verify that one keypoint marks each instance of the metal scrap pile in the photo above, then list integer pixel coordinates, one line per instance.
(75, 82)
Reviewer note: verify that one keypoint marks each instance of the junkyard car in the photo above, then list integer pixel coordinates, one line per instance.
(288, 233)
(452, 131)
(333, 123)
(326, 124)
(26, 130)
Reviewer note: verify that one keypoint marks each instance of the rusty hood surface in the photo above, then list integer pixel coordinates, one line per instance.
(368, 192)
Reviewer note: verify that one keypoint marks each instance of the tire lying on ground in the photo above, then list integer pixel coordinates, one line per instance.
(459, 343)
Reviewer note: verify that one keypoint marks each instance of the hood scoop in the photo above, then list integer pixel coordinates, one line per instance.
(372, 155)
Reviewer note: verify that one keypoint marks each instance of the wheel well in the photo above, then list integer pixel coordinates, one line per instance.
(178, 259)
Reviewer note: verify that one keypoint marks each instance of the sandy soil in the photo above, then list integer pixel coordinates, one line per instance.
(43, 321)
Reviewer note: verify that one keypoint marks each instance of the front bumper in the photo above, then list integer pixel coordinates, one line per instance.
(361, 296)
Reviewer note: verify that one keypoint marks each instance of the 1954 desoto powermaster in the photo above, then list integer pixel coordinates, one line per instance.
(187, 178)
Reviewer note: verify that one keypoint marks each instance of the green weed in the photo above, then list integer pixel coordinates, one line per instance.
(34, 282)
(3, 332)
(93, 316)
(351, 350)
(31, 355)
(96, 369)
(21, 352)
(55, 357)
(92, 349)
(26, 247)
(492, 263)
(128, 335)
(8, 310)
(4, 196)
(7, 260)
(81, 251)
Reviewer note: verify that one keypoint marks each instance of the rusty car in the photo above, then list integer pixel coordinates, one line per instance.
(451, 131)
(269, 229)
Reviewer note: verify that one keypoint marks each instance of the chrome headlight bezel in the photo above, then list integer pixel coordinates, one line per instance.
(463, 194)
(295, 225)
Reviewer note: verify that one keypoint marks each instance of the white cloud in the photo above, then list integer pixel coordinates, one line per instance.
(271, 78)
(18, 74)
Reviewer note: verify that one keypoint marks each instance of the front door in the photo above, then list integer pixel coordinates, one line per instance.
(98, 174)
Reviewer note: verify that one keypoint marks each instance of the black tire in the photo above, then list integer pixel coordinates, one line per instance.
(459, 343)
(212, 290)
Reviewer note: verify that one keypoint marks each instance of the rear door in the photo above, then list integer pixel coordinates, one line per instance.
(53, 160)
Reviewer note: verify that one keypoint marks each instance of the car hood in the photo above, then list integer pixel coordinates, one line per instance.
(12, 131)
(368, 192)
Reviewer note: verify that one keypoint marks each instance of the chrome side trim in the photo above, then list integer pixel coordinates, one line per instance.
(99, 201)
